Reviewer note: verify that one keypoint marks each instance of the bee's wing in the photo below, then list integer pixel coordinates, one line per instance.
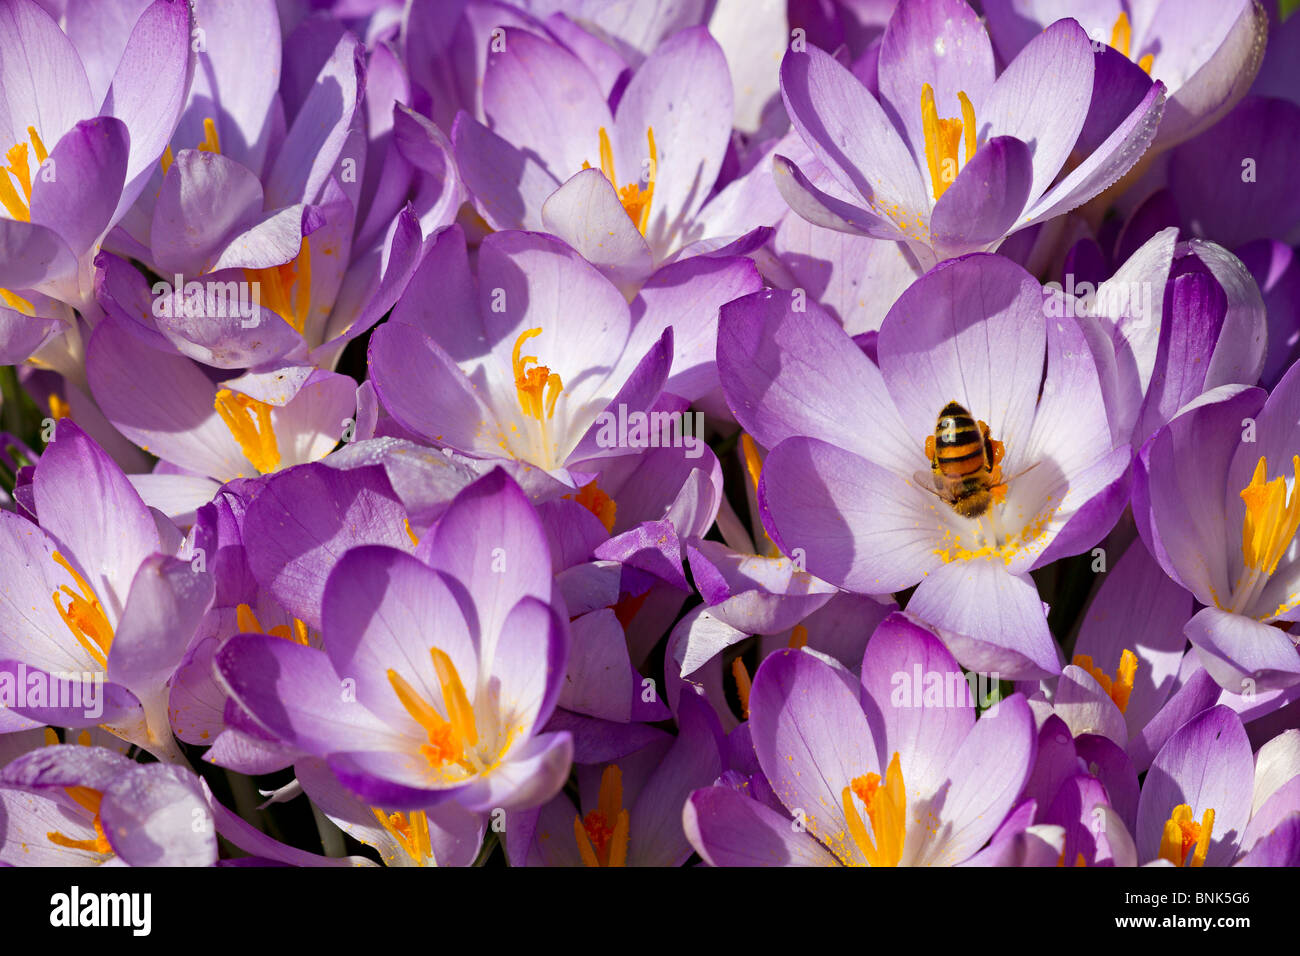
(925, 481)
(1020, 473)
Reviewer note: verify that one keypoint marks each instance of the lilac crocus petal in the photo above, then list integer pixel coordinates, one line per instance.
(1242, 653)
(32, 255)
(455, 834)
(158, 815)
(78, 204)
(985, 200)
(86, 503)
(819, 208)
(599, 681)
(313, 142)
(925, 737)
(811, 738)
(163, 609)
(1015, 642)
(849, 132)
(656, 837)
(148, 89)
(1232, 181)
(1276, 763)
(586, 213)
(976, 803)
(541, 96)
(729, 829)
(877, 535)
(690, 130)
(509, 186)
(36, 58)
(1279, 848)
(943, 44)
(306, 517)
(490, 518)
(1192, 544)
(174, 416)
(206, 199)
(1198, 692)
(293, 692)
(1284, 803)
(1107, 164)
(788, 373)
(1086, 708)
(1235, 32)
(1207, 765)
(1138, 608)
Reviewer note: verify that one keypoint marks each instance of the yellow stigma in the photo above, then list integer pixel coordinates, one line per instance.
(943, 137)
(1182, 833)
(886, 809)
(88, 799)
(58, 407)
(1121, 687)
(602, 835)
(1121, 39)
(635, 200)
(411, 831)
(247, 622)
(209, 144)
(84, 615)
(19, 207)
(452, 737)
(249, 422)
(597, 502)
(537, 388)
(286, 289)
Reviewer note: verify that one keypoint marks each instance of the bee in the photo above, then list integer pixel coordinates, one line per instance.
(965, 463)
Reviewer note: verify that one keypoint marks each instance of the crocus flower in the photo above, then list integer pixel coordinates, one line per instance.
(1225, 530)
(633, 807)
(1208, 802)
(68, 805)
(854, 493)
(903, 162)
(523, 359)
(626, 187)
(1205, 52)
(417, 697)
(94, 592)
(874, 775)
(81, 135)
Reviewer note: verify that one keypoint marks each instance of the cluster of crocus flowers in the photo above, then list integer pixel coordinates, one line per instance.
(649, 434)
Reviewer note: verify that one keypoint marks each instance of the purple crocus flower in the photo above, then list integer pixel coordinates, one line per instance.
(68, 805)
(87, 115)
(436, 677)
(1207, 801)
(875, 774)
(1225, 531)
(630, 811)
(948, 186)
(1205, 52)
(525, 357)
(854, 493)
(626, 187)
(94, 598)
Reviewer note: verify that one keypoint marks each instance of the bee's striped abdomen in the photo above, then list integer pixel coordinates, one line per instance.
(958, 444)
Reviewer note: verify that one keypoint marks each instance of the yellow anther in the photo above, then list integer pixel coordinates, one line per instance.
(1271, 520)
(602, 836)
(411, 833)
(17, 302)
(58, 407)
(210, 144)
(634, 199)
(84, 615)
(598, 503)
(798, 636)
(89, 800)
(1121, 687)
(449, 738)
(537, 388)
(943, 139)
(886, 809)
(1183, 834)
(249, 421)
(286, 289)
(19, 207)
(1121, 39)
(743, 684)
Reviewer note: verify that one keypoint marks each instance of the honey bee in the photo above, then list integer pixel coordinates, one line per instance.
(965, 463)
